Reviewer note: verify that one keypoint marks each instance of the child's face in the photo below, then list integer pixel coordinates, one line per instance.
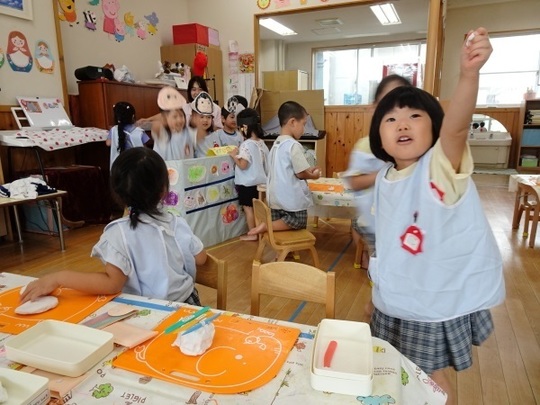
(406, 134)
(195, 90)
(229, 123)
(297, 127)
(176, 120)
(205, 121)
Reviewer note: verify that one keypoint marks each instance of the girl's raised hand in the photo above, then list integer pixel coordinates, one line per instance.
(476, 50)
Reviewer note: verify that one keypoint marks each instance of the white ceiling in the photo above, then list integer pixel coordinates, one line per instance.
(359, 21)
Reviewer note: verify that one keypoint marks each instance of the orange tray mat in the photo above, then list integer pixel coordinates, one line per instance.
(327, 187)
(244, 355)
(73, 306)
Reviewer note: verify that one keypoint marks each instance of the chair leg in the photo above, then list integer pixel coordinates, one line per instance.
(527, 220)
(534, 225)
(315, 257)
(358, 254)
(283, 255)
(260, 250)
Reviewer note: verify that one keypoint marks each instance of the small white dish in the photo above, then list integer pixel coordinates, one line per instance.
(60, 347)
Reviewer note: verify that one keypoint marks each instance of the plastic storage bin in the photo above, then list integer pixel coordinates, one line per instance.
(190, 34)
(529, 161)
(349, 369)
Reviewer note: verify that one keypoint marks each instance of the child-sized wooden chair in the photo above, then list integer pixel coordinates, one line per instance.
(213, 274)
(297, 281)
(283, 242)
(527, 202)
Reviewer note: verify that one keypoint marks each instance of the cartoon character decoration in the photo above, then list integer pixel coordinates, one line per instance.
(44, 59)
(129, 20)
(152, 23)
(247, 63)
(67, 12)
(233, 106)
(110, 13)
(119, 30)
(200, 63)
(203, 104)
(170, 99)
(141, 26)
(90, 20)
(18, 55)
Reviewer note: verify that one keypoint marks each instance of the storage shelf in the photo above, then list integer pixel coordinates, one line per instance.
(526, 135)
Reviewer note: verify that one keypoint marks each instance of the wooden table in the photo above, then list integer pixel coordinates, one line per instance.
(527, 201)
(396, 379)
(55, 198)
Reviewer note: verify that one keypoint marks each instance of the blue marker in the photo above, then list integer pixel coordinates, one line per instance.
(201, 324)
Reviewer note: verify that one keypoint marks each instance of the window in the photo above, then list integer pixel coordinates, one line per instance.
(512, 69)
(351, 76)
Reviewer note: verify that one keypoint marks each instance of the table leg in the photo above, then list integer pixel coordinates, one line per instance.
(58, 209)
(17, 223)
(534, 225)
(517, 214)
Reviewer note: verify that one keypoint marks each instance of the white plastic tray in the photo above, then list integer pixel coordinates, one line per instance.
(60, 347)
(24, 388)
(351, 367)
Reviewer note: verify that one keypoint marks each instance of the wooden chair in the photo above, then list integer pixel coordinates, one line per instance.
(527, 202)
(213, 274)
(283, 242)
(293, 280)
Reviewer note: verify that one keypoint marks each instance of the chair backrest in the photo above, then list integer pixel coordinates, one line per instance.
(213, 274)
(293, 280)
(262, 213)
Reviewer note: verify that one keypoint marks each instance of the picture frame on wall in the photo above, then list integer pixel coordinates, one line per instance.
(17, 8)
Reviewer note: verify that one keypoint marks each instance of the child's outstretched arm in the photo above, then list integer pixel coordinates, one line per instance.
(475, 52)
(109, 282)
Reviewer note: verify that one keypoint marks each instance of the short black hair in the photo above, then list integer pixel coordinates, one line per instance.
(393, 78)
(290, 109)
(200, 81)
(404, 96)
(252, 120)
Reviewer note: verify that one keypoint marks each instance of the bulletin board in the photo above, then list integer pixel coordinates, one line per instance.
(202, 191)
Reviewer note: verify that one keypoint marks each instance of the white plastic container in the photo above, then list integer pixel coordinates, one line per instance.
(60, 347)
(350, 369)
(24, 388)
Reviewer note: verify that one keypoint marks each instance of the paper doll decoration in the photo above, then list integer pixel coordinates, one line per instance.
(141, 26)
(119, 30)
(203, 104)
(66, 11)
(110, 13)
(129, 20)
(90, 20)
(152, 23)
(233, 106)
(18, 55)
(44, 59)
(1, 57)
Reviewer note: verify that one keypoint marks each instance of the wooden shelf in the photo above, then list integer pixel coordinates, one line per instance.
(531, 136)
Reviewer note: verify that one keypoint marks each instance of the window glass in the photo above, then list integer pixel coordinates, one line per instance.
(350, 76)
(512, 69)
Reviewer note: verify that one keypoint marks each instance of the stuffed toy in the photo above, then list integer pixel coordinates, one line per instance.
(200, 63)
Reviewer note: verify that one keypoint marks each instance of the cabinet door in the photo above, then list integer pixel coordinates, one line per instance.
(143, 99)
(92, 105)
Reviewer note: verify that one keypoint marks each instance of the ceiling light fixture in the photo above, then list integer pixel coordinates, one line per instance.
(278, 28)
(386, 14)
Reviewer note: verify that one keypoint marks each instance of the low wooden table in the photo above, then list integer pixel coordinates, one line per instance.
(56, 204)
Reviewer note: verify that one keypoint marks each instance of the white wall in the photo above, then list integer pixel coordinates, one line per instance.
(33, 83)
(83, 47)
(510, 16)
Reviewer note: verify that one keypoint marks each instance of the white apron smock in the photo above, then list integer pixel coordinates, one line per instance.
(255, 173)
(458, 269)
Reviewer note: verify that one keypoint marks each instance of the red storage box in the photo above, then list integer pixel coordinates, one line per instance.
(190, 34)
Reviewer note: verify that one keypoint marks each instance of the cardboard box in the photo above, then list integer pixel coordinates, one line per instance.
(312, 100)
(190, 34)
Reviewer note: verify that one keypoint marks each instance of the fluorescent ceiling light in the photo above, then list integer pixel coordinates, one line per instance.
(279, 28)
(386, 14)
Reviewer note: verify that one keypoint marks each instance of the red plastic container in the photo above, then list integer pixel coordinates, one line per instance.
(190, 34)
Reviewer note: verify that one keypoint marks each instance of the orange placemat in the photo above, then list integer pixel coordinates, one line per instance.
(73, 306)
(335, 188)
(244, 355)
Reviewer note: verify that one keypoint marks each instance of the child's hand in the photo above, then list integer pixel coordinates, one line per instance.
(234, 152)
(38, 288)
(316, 172)
(475, 50)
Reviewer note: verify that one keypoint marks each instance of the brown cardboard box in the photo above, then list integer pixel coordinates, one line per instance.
(312, 100)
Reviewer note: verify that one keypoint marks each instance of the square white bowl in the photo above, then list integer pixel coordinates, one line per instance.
(60, 347)
(24, 388)
(351, 366)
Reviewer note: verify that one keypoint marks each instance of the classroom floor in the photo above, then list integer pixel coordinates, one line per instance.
(506, 367)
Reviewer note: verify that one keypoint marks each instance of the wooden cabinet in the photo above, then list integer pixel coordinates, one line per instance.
(528, 157)
(185, 53)
(97, 98)
(317, 145)
(285, 80)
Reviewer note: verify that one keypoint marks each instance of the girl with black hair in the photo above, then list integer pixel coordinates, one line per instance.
(124, 134)
(151, 252)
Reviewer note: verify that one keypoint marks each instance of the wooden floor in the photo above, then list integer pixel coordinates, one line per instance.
(506, 368)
